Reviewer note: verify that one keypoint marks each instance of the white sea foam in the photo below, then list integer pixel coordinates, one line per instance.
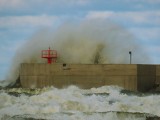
(74, 103)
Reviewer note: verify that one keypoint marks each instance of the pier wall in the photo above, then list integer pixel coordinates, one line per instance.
(129, 76)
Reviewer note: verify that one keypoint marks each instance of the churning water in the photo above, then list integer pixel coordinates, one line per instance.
(73, 103)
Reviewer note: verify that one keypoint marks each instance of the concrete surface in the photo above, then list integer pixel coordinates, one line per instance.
(129, 76)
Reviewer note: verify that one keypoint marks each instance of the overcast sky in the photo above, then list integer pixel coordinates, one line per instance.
(20, 19)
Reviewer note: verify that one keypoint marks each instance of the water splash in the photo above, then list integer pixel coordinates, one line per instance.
(74, 103)
(87, 42)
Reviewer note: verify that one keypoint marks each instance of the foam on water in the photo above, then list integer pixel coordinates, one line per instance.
(74, 103)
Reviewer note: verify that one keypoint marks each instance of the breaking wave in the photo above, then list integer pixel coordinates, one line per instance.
(73, 103)
(88, 42)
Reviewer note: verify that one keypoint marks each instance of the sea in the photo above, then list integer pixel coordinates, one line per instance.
(73, 103)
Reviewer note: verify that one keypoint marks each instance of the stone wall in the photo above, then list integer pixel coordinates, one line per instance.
(129, 76)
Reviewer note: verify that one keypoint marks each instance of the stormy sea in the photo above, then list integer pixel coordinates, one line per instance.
(73, 103)
(87, 42)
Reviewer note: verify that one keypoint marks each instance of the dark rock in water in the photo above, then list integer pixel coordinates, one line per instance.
(102, 94)
(111, 102)
(152, 118)
(118, 113)
(140, 94)
(17, 84)
(19, 117)
(129, 92)
(158, 89)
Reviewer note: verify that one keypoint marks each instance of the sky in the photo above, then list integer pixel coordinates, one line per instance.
(20, 19)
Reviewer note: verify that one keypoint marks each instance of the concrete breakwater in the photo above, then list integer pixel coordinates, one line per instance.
(136, 77)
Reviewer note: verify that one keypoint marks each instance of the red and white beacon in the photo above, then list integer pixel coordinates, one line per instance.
(50, 55)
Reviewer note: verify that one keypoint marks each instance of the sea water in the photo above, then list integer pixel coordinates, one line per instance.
(73, 103)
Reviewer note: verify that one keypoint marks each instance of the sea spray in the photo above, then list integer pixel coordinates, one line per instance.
(93, 41)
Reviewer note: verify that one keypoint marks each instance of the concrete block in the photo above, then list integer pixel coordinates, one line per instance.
(130, 76)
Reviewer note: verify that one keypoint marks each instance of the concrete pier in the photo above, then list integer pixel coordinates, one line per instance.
(129, 76)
